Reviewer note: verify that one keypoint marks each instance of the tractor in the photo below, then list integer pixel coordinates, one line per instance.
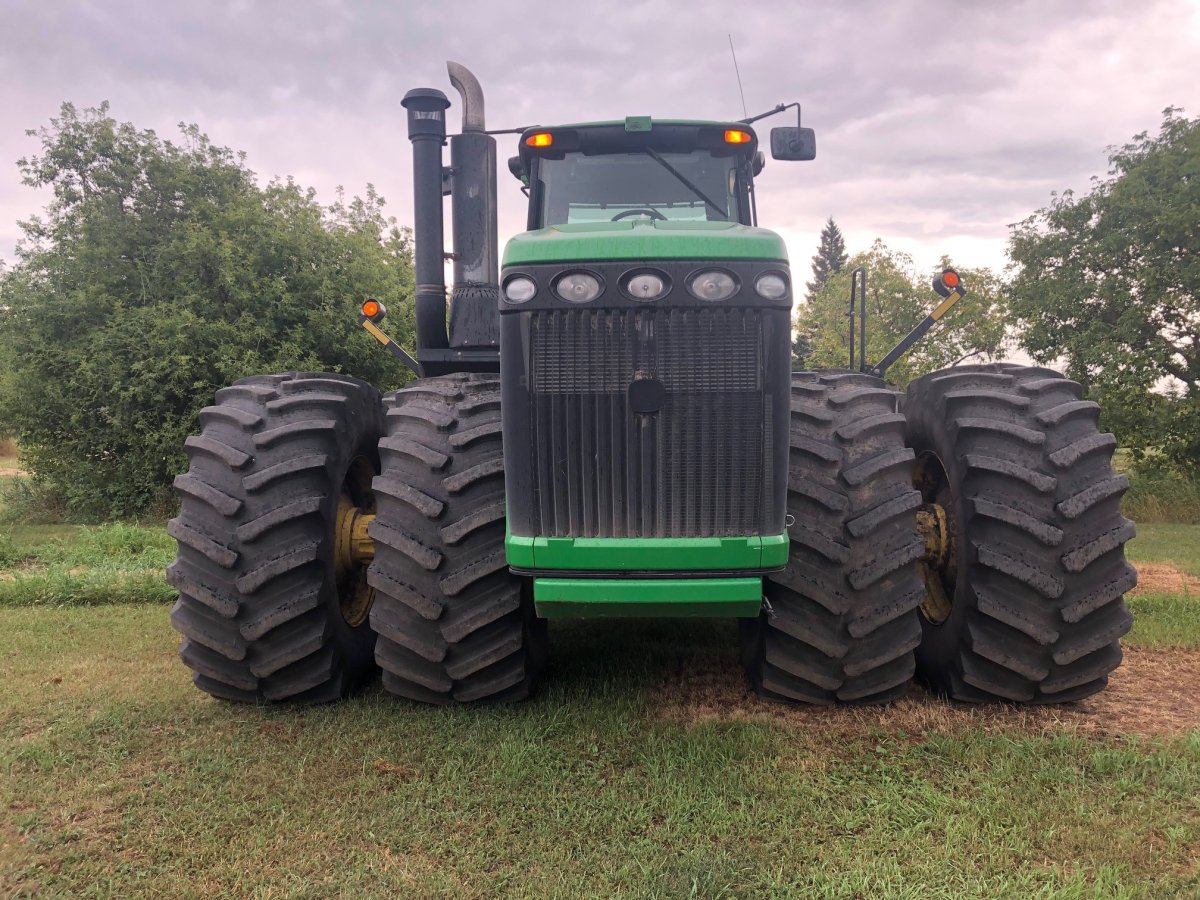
(607, 425)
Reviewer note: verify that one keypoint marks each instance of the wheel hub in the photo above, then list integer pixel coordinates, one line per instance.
(939, 561)
(353, 548)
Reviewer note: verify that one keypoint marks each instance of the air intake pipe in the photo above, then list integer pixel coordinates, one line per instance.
(475, 297)
(427, 131)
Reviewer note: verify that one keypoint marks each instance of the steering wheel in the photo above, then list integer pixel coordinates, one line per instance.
(652, 213)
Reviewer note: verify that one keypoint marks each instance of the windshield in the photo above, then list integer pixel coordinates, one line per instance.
(642, 184)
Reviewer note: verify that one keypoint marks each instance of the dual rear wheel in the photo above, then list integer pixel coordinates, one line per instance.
(967, 532)
(287, 593)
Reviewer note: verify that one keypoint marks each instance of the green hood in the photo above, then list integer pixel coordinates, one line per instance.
(644, 240)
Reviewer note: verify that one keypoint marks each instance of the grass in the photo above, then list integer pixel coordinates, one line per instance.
(1162, 497)
(116, 777)
(1171, 543)
(1165, 620)
(630, 776)
(84, 565)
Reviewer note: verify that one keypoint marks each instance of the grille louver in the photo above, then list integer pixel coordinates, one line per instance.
(700, 466)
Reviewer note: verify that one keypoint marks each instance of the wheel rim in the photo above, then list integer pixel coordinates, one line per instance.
(935, 520)
(353, 550)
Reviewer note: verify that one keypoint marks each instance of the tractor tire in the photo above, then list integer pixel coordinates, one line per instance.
(266, 612)
(1026, 603)
(840, 621)
(454, 625)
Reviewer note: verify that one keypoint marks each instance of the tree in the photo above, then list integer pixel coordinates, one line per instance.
(830, 257)
(897, 299)
(1110, 283)
(159, 273)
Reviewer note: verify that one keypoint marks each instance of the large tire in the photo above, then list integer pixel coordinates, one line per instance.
(842, 624)
(454, 624)
(261, 608)
(1036, 571)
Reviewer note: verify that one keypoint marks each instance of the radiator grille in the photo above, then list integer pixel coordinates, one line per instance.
(698, 467)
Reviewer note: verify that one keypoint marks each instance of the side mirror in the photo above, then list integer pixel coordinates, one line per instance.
(793, 143)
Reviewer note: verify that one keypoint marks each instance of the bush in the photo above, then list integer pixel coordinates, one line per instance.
(160, 273)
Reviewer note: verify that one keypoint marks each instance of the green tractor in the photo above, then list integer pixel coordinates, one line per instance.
(608, 426)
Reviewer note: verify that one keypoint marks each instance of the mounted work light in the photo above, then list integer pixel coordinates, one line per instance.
(374, 310)
(947, 283)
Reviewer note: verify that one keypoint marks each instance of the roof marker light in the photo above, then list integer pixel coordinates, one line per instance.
(540, 139)
(734, 136)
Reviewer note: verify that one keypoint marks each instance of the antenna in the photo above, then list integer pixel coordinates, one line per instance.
(733, 53)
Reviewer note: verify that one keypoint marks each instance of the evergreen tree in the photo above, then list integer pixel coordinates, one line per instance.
(829, 259)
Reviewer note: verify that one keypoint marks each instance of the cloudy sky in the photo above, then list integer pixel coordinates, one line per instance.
(939, 122)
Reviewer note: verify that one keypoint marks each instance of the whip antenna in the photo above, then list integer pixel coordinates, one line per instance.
(736, 72)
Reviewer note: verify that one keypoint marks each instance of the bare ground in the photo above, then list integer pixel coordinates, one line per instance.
(1153, 693)
(11, 473)
(1164, 578)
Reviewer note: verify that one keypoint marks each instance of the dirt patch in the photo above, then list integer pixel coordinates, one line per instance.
(1163, 578)
(12, 473)
(1153, 693)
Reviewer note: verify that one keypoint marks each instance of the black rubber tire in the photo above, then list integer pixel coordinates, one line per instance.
(454, 624)
(842, 623)
(1037, 610)
(258, 600)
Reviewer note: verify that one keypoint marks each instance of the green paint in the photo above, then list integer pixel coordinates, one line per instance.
(775, 550)
(560, 598)
(647, 554)
(641, 240)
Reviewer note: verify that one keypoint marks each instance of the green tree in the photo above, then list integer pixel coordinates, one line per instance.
(158, 273)
(897, 299)
(1110, 283)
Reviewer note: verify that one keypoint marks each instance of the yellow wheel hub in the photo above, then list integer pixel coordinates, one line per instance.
(939, 561)
(353, 549)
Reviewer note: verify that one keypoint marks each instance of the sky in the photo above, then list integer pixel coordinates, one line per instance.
(939, 122)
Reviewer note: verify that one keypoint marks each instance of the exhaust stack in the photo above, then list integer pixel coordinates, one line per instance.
(475, 297)
(472, 342)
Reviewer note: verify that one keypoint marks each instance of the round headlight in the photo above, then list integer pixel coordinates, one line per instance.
(519, 289)
(713, 285)
(646, 286)
(578, 287)
(771, 286)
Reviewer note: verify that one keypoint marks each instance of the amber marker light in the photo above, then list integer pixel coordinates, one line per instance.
(950, 278)
(541, 139)
(733, 136)
(373, 310)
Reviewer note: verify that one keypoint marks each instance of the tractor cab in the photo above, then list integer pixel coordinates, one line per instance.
(638, 170)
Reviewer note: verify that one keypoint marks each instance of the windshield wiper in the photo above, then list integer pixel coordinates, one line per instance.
(683, 179)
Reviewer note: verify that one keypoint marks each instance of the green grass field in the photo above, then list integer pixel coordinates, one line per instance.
(643, 769)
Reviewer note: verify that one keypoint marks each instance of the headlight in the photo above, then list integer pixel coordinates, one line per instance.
(519, 289)
(713, 285)
(646, 286)
(578, 287)
(771, 286)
